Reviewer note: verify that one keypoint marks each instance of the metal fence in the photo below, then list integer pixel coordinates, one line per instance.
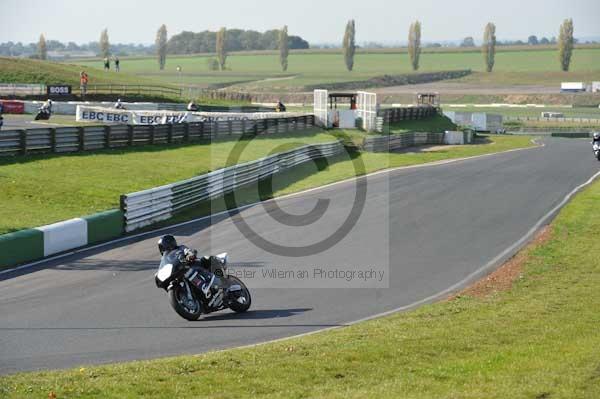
(387, 143)
(150, 206)
(595, 121)
(392, 115)
(131, 90)
(89, 138)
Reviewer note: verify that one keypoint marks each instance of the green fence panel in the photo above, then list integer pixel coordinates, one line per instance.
(21, 246)
(104, 226)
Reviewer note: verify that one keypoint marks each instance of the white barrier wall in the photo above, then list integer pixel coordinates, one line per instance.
(133, 117)
(60, 237)
(454, 138)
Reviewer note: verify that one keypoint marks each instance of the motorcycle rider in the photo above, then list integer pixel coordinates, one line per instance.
(47, 106)
(119, 104)
(280, 107)
(207, 281)
(192, 107)
(596, 139)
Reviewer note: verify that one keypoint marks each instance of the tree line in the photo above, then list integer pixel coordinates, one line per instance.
(232, 40)
(566, 43)
(236, 40)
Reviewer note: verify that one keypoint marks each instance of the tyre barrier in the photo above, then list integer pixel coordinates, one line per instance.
(387, 143)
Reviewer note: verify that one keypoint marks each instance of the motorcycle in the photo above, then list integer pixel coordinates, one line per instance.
(596, 147)
(191, 295)
(280, 107)
(43, 114)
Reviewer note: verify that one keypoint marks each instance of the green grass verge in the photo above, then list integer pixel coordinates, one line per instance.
(435, 124)
(539, 339)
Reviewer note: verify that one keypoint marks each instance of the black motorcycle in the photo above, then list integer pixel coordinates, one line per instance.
(200, 286)
(43, 114)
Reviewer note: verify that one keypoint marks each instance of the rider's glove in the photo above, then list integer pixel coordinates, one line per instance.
(190, 255)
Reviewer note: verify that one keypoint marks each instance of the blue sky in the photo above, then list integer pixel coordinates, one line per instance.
(317, 21)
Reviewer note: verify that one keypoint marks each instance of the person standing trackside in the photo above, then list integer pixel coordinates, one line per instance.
(117, 64)
(106, 64)
(83, 82)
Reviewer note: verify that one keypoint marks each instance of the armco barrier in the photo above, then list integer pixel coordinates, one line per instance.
(32, 244)
(150, 206)
(74, 139)
(387, 143)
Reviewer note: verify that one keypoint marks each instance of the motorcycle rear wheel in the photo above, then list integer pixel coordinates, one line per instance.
(177, 298)
(241, 307)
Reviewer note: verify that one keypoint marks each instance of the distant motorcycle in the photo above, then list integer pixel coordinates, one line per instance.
(596, 144)
(280, 107)
(191, 293)
(43, 114)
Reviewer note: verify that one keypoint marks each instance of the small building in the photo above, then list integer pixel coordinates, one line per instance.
(432, 99)
(342, 110)
(572, 87)
(346, 110)
(552, 115)
(478, 121)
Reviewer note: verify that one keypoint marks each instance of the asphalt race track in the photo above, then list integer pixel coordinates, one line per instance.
(25, 122)
(436, 226)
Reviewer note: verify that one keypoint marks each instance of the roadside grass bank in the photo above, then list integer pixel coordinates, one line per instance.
(537, 339)
(434, 124)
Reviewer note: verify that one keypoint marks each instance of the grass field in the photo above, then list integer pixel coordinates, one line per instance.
(538, 338)
(512, 67)
(531, 112)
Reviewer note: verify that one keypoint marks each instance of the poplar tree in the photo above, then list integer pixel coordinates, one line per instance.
(414, 44)
(42, 48)
(161, 46)
(222, 48)
(566, 44)
(350, 44)
(489, 46)
(284, 48)
(104, 44)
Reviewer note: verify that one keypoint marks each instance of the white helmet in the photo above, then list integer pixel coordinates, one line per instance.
(596, 136)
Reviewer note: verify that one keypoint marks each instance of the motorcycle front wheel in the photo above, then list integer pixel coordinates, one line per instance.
(237, 306)
(180, 303)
